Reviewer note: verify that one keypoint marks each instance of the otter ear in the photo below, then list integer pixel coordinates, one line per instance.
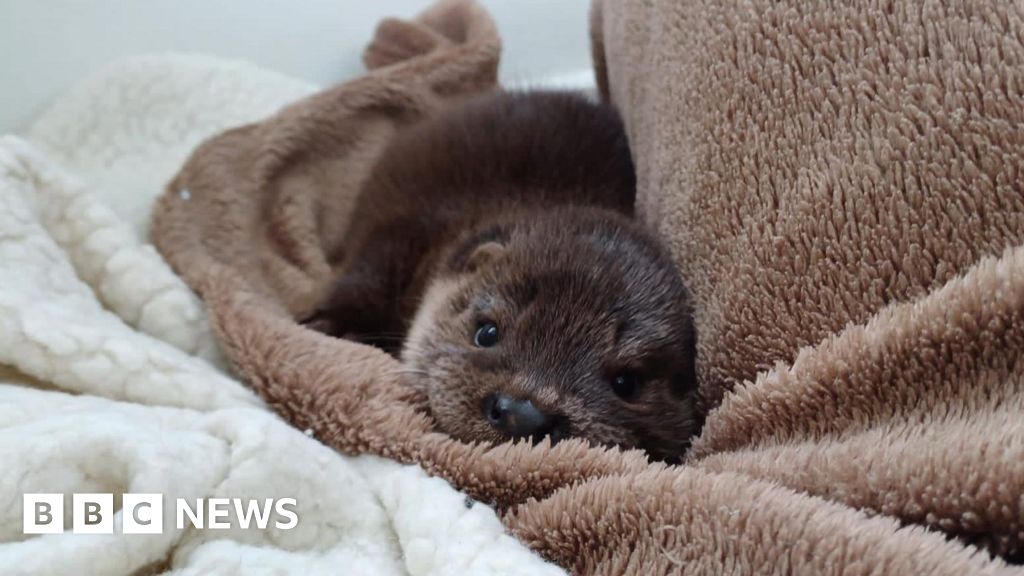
(484, 254)
(479, 250)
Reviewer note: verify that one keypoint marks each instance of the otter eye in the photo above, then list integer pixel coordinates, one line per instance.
(625, 385)
(486, 335)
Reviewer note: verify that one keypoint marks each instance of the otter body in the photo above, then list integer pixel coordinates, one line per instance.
(492, 249)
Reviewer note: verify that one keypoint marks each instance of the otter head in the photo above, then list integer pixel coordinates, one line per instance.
(568, 323)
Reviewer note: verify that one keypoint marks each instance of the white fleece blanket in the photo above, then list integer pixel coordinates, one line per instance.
(110, 381)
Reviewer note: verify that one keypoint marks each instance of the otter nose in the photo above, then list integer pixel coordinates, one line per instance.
(517, 418)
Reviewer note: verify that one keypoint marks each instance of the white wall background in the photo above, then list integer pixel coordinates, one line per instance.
(47, 45)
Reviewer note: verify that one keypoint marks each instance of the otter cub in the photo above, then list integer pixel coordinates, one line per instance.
(494, 240)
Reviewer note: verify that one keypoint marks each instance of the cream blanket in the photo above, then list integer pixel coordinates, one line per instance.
(111, 381)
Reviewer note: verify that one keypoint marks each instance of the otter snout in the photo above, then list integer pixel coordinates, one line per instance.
(521, 418)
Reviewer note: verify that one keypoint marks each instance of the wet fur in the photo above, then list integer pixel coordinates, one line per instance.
(514, 208)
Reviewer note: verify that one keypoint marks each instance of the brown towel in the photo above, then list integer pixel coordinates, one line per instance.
(808, 169)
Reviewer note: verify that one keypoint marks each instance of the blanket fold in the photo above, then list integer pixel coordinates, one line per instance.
(848, 236)
(257, 247)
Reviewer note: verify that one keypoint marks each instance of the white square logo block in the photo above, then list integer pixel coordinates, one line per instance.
(42, 513)
(93, 513)
(142, 514)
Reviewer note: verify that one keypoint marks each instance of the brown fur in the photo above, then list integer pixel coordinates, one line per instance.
(511, 208)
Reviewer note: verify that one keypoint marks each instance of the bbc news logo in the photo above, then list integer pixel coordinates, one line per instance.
(144, 513)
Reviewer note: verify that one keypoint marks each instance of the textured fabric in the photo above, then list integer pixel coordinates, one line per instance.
(108, 374)
(843, 190)
(880, 441)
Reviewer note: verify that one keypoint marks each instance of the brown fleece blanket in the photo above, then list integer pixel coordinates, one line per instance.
(842, 188)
